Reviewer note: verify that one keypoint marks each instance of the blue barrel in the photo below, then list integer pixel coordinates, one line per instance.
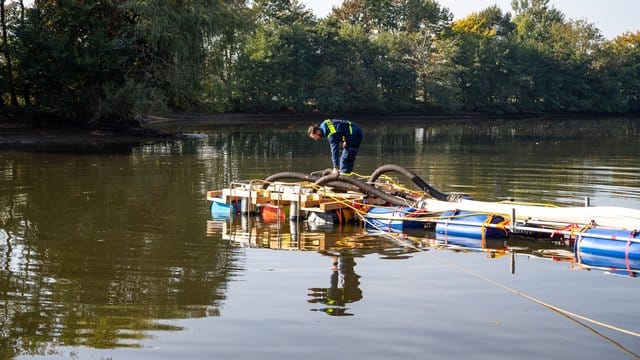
(608, 248)
(220, 209)
(470, 225)
(395, 219)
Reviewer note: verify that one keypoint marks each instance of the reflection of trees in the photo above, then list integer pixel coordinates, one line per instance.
(344, 287)
(445, 153)
(488, 154)
(94, 249)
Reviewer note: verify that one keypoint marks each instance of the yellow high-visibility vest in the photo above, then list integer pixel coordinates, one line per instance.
(332, 128)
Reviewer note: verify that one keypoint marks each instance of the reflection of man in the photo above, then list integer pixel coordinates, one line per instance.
(344, 288)
(339, 132)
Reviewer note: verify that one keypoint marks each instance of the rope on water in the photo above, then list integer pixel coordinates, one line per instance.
(568, 314)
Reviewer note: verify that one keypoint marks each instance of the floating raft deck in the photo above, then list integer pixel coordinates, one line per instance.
(383, 204)
(295, 200)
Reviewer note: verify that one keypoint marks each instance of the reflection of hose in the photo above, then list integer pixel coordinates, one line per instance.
(412, 176)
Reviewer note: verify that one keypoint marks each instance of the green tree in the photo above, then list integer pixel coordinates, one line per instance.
(488, 22)
(396, 74)
(68, 51)
(573, 45)
(395, 16)
(294, 63)
(356, 61)
(277, 60)
(109, 62)
(9, 77)
(559, 58)
(407, 30)
(221, 56)
(174, 40)
(488, 70)
(618, 65)
(533, 19)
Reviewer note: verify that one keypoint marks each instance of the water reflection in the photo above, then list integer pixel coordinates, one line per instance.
(247, 231)
(342, 245)
(104, 250)
(345, 243)
(344, 287)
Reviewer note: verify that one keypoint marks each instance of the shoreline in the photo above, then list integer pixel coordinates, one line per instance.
(155, 129)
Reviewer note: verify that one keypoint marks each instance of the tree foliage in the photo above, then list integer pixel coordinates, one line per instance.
(111, 62)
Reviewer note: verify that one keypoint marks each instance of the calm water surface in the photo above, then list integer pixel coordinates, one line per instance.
(116, 255)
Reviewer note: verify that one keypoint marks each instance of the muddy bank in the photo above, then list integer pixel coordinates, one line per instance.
(154, 129)
(20, 138)
(253, 118)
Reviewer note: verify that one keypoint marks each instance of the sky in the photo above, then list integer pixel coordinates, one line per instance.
(612, 17)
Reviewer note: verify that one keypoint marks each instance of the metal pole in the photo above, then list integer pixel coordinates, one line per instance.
(513, 262)
(293, 210)
(244, 206)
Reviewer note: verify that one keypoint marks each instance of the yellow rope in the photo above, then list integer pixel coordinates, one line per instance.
(527, 203)
(561, 311)
(549, 306)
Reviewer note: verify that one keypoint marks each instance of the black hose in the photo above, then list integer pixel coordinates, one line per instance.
(412, 176)
(364, 188)
(352, 184)
(341, 183)
(289, 175)
(311, 178)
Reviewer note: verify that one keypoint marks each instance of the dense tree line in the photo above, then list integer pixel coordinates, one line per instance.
(113, 61)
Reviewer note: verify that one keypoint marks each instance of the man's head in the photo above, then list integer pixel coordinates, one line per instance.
(314, 132)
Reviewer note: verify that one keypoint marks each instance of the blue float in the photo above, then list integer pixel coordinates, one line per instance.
(471, 225)
(471, 242)
(610, 248)
(394, 219)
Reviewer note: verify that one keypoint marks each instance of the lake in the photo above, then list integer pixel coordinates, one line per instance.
(116, 255)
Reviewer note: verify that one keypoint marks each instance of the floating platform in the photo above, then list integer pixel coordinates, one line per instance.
(381, 203)
(284, 200)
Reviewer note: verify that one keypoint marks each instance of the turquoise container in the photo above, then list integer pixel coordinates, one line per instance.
(221, 210)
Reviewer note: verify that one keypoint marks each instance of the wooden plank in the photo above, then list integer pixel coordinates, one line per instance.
(289, 197)
(214, 194)
(226, 193)
(260, 197)
(278, 202)
(256, 197)
(328, 206)
(309, 204)
(239, 193)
